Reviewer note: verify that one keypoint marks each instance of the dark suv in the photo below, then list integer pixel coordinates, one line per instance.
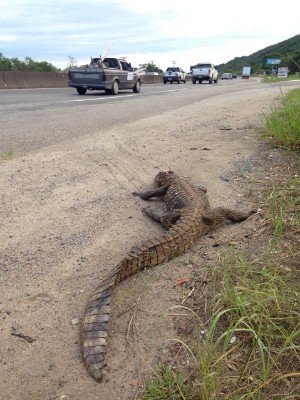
(174, 74)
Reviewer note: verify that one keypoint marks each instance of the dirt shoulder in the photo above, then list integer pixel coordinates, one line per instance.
(68, 216)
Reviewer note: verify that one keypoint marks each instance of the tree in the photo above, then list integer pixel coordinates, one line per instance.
(5, 63)
(15, 64)
(153, 68)
(293, 62)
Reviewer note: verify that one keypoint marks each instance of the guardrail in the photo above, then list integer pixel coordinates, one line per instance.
(26, 80)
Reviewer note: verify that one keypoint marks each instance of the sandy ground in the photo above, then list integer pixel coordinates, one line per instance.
(68, 216)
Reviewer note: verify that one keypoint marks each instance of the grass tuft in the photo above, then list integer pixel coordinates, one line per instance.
(166, 385)
(8, 155)
(282, 125)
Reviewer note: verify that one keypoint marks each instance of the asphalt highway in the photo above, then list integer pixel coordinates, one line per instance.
(32, 119)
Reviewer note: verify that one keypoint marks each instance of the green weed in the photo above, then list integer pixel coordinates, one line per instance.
(8, 155)
(166, 385)
(251, 345)
(282, 125)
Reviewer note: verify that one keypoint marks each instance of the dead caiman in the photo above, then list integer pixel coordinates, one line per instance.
(188, 217)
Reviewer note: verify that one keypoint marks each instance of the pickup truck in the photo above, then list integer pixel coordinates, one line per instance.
(109, 74)
(174, 74)
(204, 72)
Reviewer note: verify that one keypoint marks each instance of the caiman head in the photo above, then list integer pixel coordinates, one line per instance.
(163, 178)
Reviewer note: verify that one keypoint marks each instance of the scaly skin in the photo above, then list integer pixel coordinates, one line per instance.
(189, 216)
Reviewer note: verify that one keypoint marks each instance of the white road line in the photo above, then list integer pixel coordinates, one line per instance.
(165, 91)
(105, 98)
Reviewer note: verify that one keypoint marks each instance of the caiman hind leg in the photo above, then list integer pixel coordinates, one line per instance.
(167, 219)
(221, 214)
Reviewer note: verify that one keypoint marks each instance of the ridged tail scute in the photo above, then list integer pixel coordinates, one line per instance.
(94, 327)
(95, 321)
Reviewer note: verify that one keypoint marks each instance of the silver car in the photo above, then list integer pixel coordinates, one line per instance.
(226, 75)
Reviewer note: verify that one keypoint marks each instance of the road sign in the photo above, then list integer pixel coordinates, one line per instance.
(283, 72)
(273, 61)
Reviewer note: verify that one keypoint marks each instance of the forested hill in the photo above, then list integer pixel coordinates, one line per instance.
(287, 51)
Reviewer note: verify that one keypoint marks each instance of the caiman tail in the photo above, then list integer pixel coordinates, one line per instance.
(153, 252)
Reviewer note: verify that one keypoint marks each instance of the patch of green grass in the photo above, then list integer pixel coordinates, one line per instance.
(259, 299)
(284, 208)
(250, 348)
(8, 155)
(166, 385)
(282, 125)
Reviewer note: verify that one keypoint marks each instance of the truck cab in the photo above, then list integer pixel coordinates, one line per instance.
(205, 71)
(110, 75)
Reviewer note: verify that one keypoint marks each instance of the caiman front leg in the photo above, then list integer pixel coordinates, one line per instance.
(159, 192)
(167, 219)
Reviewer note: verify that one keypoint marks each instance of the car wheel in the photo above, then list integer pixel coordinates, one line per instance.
(171, 82)
(137, 87)
(183, 81)
(81, 90)
(210, 81)
(178, 81)
(200, 81)
(115, 88)
(165, 82)
(194, 80)
(216, 80)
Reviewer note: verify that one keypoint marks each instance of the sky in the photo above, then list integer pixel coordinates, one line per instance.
(165, 32)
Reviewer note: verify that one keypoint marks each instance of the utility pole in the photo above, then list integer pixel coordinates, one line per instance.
(174, 62)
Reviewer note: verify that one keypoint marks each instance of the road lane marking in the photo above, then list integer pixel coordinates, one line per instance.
(104, 98)
(165, 91)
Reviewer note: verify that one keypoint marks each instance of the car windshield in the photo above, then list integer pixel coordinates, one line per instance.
(173, 69)
(204, 66)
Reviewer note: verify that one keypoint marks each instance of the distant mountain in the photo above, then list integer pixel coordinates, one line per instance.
(287, 51)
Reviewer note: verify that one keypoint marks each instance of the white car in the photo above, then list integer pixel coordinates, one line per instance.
(226, 75)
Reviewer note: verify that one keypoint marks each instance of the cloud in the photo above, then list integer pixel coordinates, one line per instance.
(158, 31)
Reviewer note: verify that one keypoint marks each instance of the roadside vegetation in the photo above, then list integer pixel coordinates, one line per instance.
(287, 51)
(250, 346)
(15, 64)
(8, 155)
(274, 78)
(282, 126)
